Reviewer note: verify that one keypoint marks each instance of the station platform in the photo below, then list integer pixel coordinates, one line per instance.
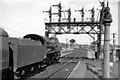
(92, 69)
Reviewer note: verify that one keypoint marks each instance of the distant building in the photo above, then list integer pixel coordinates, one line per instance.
(84, 45)
(119, 23)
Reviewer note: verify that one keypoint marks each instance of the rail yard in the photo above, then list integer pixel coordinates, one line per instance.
(74, 65)
(36, 57)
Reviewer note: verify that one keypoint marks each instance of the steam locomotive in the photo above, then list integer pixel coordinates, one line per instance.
(19, 56)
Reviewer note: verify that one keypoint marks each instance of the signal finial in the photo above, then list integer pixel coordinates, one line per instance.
(107, 3)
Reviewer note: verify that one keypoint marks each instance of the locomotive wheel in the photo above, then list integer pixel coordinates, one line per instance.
(36, 67)
(53, 61)
(43, 64)
(19, 73)
(23, 72)
(56, 61)
(32, 69)
(39, 66)
(48, 61)
(16, 76)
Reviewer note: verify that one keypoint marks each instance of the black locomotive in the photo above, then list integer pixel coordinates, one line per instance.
(18, 56)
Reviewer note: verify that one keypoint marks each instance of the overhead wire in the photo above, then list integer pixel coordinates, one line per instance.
(9, 30)
(13, 30)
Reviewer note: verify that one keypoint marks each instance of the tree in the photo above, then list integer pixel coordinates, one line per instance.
(72, 41)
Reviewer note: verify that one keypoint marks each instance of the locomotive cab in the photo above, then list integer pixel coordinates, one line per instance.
(6, 66)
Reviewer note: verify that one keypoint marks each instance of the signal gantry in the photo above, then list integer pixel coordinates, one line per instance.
(99, 28)
(91, 27)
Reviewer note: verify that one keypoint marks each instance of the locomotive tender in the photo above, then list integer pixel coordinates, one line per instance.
(19, 56)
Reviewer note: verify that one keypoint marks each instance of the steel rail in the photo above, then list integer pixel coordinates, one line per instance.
(58, 70)
(71, 72)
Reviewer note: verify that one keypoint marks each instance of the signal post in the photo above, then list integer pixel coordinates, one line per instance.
(106, 64)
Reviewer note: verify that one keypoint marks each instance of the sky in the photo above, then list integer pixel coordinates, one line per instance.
(21, 17)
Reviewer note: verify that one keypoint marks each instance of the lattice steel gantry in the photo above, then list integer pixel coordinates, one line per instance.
(74, 27)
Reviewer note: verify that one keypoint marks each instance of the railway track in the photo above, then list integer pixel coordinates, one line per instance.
(76, 54)
(69, 60)
(67, 65)
(63, 69)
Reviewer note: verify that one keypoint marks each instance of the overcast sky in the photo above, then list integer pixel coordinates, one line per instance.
(21, 17)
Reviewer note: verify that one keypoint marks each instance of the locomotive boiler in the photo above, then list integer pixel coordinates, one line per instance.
(19, 56)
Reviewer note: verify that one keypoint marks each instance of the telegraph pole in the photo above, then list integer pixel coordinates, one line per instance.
(106, 21)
